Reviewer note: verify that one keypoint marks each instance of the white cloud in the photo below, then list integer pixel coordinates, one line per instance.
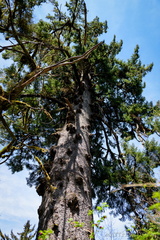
(18, 202)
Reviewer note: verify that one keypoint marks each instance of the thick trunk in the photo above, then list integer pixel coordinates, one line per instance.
(71, 175)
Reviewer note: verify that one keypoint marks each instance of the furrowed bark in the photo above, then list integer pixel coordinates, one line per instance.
(71, 174)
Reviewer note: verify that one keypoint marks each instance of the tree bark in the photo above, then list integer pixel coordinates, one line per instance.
(71, 174)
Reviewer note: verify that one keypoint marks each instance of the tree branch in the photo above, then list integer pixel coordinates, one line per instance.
(44, 97)
(37, 72)
(148, 184)
(26, 53)
(60, 64)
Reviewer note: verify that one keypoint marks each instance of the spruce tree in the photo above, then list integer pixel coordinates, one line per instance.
(68, 107)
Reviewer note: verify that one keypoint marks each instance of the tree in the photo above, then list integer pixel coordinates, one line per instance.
(151, 230)
(63, 95)
(28, 233)
(110, 231)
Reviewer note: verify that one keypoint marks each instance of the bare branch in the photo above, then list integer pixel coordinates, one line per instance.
(132, 185)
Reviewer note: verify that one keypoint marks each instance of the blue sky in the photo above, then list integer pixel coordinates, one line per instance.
(133, 21)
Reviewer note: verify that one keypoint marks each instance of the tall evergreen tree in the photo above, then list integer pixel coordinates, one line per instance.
(66, 104)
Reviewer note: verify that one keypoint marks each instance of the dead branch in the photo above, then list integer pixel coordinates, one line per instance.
(132, 185)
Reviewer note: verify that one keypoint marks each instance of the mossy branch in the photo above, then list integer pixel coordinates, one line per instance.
(10, 145)
(47, 177)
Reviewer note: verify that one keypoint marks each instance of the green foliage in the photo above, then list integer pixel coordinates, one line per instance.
(76, 223)
(102, 207)
(43, 235)
(156, 206)
(151, 231)
(95, 224)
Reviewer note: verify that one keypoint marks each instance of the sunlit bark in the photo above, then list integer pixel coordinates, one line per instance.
(71, 175)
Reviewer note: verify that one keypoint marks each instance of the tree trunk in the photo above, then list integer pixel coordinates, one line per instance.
(71, 174)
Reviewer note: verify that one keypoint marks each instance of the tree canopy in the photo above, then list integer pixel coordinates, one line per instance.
(42, 86)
